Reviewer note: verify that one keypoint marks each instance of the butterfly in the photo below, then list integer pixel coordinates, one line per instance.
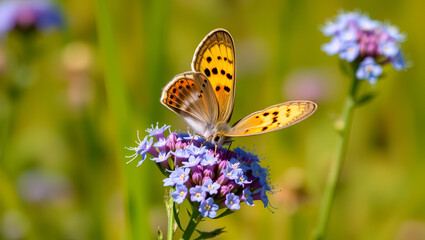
(205, 96)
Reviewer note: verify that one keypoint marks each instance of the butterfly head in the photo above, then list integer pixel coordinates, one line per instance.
(218, 137)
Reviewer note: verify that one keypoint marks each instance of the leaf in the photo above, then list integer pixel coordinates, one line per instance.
(207, 235)
(176, 217)
(365, 98)
(225, 213)
(160, 235)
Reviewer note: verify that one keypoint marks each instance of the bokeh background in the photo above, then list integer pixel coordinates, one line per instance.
(72, 98)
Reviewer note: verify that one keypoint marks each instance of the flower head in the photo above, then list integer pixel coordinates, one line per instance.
(356, 37)
(203, 175)
(27, 15)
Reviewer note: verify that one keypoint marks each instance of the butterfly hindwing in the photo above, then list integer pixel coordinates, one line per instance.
(215, 57)
(273, 118)
(191, 95)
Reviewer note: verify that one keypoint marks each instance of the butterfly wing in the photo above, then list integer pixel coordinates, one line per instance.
(273, 118)
(215, 57)
(191, 96)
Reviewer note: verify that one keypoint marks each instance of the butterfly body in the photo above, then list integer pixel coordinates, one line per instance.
(204, 97)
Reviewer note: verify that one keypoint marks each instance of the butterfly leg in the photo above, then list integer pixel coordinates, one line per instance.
(210, 136)
(197, 134)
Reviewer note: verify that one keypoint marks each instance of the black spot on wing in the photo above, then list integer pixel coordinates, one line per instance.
(214, 70)
(264, 129)
(209, 59)
(226, 88)
(207, 72)
(265, 114)
(229, 76)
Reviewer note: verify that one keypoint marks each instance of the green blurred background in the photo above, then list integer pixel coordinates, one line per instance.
(72, 102)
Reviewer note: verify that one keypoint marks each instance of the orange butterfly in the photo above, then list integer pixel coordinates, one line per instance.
(204, 97)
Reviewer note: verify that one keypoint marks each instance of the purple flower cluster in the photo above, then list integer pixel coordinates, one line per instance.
(28, 15)
(370, 43)
(209, 178)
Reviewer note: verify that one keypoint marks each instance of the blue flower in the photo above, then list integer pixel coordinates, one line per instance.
(256, 170)
(369, 70)
(348, 35)
(367, 24)
(332, 28)
(264, 197)
(242, 179)
(235, 165)
(398, 61)
(394, 33)
(230, 173)
(179, 176)
(208, 209)
(232, 201)
(210, 187)
(180, 194)
(161, 144)
(142, 148)
(209, 160)
(192, 162)
(180, 156)
(194, 150)
(332, 47)
(197, 194)
(349, 51)
(28, 15)
(157, 132)
(389, 49)
(247, 198)
(162, 157)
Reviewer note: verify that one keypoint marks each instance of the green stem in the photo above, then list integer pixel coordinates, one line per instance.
(195, 219)
(169, 204)
(345, 125)
(135, 203)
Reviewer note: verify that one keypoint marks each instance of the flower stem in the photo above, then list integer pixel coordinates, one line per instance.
(344, 133)
(169, 204)
(195, 219)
